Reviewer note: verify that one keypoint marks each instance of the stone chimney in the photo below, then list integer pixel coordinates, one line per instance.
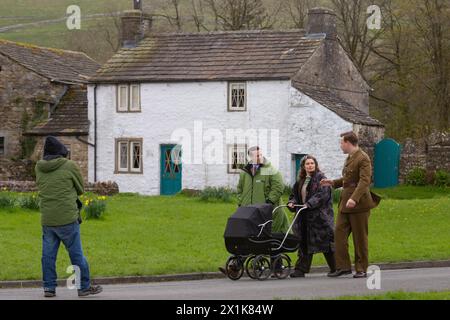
(135, 26)
(322, 21)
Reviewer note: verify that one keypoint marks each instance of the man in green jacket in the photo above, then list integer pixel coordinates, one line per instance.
(260, 183)
(59, 184)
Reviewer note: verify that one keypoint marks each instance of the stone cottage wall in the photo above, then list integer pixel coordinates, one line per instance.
(20, 89)
(78, 152)
(369, 136)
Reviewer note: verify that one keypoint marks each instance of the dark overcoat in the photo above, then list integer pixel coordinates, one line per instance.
(318, 218)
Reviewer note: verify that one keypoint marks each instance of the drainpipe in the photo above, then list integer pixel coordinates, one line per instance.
(95, 133)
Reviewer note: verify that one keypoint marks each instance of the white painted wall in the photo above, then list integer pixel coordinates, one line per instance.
(304, 127)
(316, 130)
(166, 107)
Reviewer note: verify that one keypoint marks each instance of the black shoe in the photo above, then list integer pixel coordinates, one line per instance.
(331, 272)
(89, 291)
(49, 294)
(297, 274)
(360, 275)
(339, 273)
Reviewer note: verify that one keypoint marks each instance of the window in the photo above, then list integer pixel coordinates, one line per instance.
(128, 98)
(237, 157)
(237, 94)
(122, 100)
(135, 101)
(123, 156)
(135, 148)
(69, 153)
(2, 146)
(129, 156)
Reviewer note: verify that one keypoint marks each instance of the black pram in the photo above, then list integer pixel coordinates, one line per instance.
(249, 238)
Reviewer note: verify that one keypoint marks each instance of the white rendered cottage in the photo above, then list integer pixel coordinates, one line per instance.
(213, 95)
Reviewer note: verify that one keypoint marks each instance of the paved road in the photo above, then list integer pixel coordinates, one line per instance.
(314, 286)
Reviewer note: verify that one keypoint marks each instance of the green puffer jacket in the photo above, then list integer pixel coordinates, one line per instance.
(265, 187)
(59, 183)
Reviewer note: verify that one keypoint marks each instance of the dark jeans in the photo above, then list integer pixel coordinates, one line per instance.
(70, 237)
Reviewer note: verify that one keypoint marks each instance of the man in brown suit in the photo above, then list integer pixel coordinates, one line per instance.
(354, 208)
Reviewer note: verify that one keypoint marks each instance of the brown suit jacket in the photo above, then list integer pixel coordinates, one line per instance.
(356, 180)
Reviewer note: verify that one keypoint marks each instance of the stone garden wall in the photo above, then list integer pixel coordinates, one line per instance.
(431, 153)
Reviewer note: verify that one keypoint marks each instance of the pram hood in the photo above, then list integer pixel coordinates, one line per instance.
(246, 222)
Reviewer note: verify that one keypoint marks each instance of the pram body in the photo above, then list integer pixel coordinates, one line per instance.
(254, 248)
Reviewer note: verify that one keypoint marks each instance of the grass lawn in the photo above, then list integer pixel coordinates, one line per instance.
(161, 235)
(401, 295)
(55, 34)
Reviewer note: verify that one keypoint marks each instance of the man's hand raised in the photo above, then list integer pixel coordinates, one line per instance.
(326, 183)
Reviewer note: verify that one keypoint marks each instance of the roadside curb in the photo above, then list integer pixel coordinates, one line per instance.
(211, 275)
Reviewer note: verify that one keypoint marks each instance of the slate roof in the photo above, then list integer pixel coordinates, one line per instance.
(231, 55)
(226, 56)
(70, 116)
(334, 103)
(55, 64)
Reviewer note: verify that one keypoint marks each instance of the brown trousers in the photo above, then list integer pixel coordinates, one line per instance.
(358, 225)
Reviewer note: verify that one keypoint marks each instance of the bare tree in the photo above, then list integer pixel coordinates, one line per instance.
(388, 69)
(241, 14)
(172, 13)
(198, 15)
(356, 36)
(432, 25)
(101, 39)
(298, 11)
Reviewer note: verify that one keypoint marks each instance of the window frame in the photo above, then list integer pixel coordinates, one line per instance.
(131, 145)
(129, 98)
(129, 152)
(130, 94)
(230, 150)
(119, 107)
(119, 168)
(230, 95)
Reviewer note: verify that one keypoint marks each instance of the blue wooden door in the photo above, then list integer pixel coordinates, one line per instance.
(386, 163)
(170, 169)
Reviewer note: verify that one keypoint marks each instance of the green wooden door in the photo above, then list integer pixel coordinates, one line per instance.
(298, 160)
(170, 169)
(386, 163)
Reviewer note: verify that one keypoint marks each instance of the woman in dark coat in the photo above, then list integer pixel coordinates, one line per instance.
(315, 225)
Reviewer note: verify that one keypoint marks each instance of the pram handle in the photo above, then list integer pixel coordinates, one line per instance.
(303, 207)
(286, 206)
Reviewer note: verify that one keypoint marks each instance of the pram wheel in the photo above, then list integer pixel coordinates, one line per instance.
(249, 269)
(234, 267)
(261, 268)
(282, 267)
